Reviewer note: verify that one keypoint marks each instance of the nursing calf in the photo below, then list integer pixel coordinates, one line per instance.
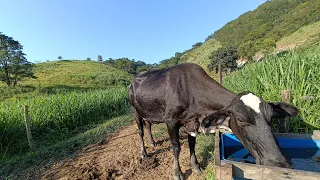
(184, 96)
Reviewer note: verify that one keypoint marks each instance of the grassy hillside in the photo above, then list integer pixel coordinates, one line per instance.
(273, 19)
(65, 76)
(77, 73)
(303, 37)
(285, 21)
(200, 55)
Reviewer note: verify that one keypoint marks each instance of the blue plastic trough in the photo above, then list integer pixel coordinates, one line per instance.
(233, 161)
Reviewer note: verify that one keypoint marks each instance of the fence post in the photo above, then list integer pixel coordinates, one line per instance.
(220, 74)
(28, 128)
(283, 124)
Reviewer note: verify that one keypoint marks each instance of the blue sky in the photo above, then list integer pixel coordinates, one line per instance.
(147, 30)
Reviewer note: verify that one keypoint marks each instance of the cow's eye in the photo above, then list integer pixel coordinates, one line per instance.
(206, 121)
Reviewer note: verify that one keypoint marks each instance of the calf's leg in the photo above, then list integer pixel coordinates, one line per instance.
(173, 130)
(140, 126)
(149, 134)
(193, 159)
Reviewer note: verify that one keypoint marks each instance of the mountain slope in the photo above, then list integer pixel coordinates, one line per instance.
(274, 19)
(270, 22)
(200, 55)
(303, 37)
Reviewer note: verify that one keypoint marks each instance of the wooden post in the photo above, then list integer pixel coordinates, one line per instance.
(220, 73)
(283, 124)
(27, 121)
(286, 96)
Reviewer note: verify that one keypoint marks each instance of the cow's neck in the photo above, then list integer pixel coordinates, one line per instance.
(215, 100)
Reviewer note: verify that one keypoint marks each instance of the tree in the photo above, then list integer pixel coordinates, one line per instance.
(88, 59)
(59, 57)
(209, 37)
(169, 62)
(198, 44)
(247, 49)
(130, 66)
(226, 56)
(100, 58)
(13, 64)
(178, 54)
(268, 45)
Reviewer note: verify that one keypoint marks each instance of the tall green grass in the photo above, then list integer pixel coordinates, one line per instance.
(19, 166)
(297, 71)
(56, 117)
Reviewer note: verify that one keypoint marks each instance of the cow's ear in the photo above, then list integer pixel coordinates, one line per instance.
(280, 110)
(216, 118)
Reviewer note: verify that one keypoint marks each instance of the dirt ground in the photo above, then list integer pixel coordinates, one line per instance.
(118, 157)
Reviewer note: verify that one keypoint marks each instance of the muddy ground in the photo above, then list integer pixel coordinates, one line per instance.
(118, 157)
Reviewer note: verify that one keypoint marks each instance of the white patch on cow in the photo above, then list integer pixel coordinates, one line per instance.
(212, 129)
(225, 128)
(251, 101)
(194, 134)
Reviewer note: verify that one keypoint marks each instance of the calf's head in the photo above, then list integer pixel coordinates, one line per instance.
(249, 117)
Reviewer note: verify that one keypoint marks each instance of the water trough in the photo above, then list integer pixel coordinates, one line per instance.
(233, 161)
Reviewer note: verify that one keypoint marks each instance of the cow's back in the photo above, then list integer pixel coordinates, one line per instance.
(171, 92)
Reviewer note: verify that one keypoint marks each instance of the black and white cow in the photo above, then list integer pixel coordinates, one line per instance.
(185, 96)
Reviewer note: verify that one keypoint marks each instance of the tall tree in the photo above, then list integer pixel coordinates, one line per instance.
(59, 57)
(100, 58)
(13, 64)
(226, 56)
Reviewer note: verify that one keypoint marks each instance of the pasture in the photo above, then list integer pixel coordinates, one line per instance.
(57, 117)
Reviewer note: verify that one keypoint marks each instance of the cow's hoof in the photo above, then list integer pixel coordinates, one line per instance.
(152, 144)
(197, 169)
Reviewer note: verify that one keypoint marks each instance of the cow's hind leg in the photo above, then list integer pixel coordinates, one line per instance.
(193, 159)
(173, 130)
(149, 134)
(140, 126)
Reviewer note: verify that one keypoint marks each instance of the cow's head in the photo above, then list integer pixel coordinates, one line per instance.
(249, 118)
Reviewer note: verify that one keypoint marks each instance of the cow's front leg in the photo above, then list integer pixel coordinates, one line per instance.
(173, 130)
(193, 159)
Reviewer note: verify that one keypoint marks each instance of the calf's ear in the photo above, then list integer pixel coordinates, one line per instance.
(281, 110)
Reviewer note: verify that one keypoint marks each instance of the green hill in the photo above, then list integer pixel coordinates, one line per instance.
(274, 23)
(77, 73)
(200, 55)
(65, 76)
(273, 19)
